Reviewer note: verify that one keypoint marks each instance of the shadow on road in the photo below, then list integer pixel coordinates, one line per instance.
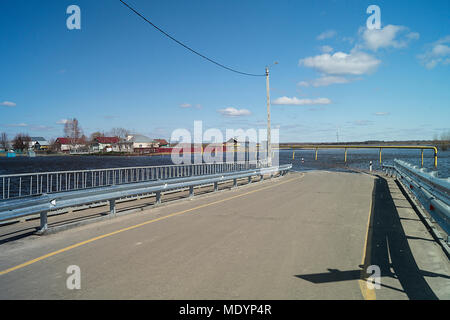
(387, 242)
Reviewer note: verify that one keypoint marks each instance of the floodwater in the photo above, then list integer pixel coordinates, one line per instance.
(327, 160)
(360, 159)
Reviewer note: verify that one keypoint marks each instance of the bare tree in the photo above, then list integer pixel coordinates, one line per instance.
(73, 131)
(21, 142)
(435, 137)
(96, 135)
(52, 145)
(442, 141)
(120, 132)
(445, 136)
(4, 141)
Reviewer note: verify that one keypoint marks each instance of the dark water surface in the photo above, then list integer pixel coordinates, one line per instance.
(360, 159)
(327, 159)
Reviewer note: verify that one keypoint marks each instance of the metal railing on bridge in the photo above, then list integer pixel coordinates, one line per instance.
(430, 190)
(45, 203)
(13, 186)
(347, 147)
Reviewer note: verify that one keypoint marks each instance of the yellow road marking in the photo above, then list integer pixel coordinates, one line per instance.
(79, 244)
(368, 293)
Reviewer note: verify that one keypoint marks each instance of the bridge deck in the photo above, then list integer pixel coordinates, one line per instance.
(299, 237)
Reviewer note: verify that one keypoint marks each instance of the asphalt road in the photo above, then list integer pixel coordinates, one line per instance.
(303, 236)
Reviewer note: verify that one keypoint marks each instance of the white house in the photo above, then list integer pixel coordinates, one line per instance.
(39, 143)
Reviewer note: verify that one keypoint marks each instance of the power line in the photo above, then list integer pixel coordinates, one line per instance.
(185, 46)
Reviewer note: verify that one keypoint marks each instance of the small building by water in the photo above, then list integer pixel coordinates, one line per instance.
(39, 143)
(10, 154)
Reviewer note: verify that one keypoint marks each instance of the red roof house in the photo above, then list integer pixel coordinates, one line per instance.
(162, 142)
(107, 140)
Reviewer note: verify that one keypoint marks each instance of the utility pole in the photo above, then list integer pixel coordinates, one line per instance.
(269, 144)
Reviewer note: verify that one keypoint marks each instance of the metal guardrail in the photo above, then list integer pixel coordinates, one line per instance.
(42, 204)
(346, 147)
(13, 186)
(431, 191)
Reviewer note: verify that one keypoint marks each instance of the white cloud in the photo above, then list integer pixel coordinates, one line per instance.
(62, 121)
(438, 53)
(361, 123)
(41, 127)
(350, 40)
(294, 101)
(326, 35)
(233, 112)
(441, 50)
(325, 81)
(7, 104)
(303, 83)
(413, 35)
(389, 36)
(381, 114)
(188, 105)
(340, 63)
(18, 125)
(326, 49)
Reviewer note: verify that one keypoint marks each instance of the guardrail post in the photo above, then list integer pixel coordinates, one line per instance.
(234, 183)
(422, 159)
(435, 157)
(44, 225)
(191, 191)
(158, 197)
(216, 186)
(112, 207)
(250, 179)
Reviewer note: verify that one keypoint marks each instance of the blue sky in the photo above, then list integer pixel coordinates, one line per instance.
(333, 74)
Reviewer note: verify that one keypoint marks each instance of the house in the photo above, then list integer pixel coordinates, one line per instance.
(162, 143)
(70, 144)
(141, 143)
(234, 144)
(231, 144)
(105, 144)
(39, 143)
(125, 146)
